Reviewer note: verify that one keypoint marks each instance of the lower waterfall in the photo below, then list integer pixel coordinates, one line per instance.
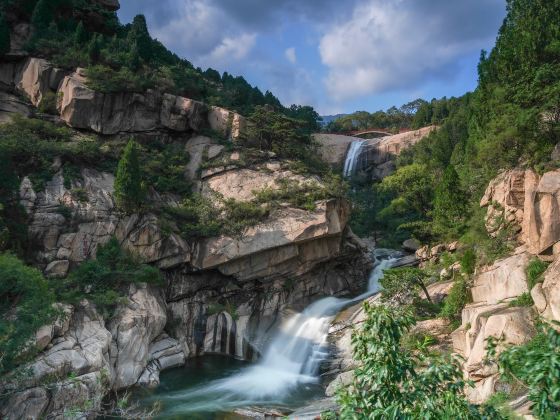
(291, 360)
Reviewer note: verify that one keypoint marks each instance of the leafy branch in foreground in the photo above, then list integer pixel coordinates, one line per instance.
(392, 382)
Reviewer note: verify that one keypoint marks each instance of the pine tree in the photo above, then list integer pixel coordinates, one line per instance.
(4, 35)
(139, 34)
(80, 35)
(94, 48)
(43, 15)
(129, 191)
(450, 203)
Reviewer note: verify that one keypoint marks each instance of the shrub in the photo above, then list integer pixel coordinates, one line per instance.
(534, 271)
(105, 279)
(454, 303)
(537, 365)
(48, 104)
(129, 191)
(399, 283)
(394, 382)
(25, 306)
(523, 300)
(468, 261)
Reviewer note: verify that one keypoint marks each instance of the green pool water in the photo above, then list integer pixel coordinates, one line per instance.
(196, 390)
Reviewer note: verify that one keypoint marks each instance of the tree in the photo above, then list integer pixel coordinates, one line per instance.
(139, 34)
(43, 15)
(392, 382)
(4, 35)
(129, 191)
(25, 306)
(399, 281)
(537, 365)
(450, 202)
(80, 34)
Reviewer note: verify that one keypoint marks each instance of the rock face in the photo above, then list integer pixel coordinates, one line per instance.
(133, 328)
(490, 315)
(110, 113)
(547, 294)
(531, 204)
(376, 155)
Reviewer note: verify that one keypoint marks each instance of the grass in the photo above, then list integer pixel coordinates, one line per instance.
(534, 271)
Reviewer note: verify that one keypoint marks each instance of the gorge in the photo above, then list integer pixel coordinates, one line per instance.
(175, 243)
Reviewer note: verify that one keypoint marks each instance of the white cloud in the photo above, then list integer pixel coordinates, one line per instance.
(204, 34)
(395, 44)
(290, 54)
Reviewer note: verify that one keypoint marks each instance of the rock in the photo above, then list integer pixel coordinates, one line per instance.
(27, 195)
(10, 105)
(547, 294)
(514, 326)
(520, 198)
(505, 279)
(36, 78)
(227, 123)
(28, 404)
(133, 328)
(182, 114)
(314, 410)
(439, 291)
(58, 269)
(423, 254)
(165, 353)
(342, 380)
(411, 245)
(43, 337)
(334, 147)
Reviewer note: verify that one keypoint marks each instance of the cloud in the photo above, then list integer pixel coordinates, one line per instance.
(397, 44)
(290, 54)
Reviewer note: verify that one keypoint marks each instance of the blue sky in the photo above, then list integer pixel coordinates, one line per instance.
(336, 55)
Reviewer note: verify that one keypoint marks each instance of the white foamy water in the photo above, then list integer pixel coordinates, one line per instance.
(293, 358)
(352, 157)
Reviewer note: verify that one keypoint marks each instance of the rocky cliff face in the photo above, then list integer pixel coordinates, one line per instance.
(223, 294)
(377, 155)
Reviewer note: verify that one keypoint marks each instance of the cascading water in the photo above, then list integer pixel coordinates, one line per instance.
(352, 157)
(292, 359)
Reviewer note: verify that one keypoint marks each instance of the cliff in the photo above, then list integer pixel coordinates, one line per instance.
(222, 294)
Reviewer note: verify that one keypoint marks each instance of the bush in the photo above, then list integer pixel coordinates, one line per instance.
(394, 382)
(534, 272)
(468, 261)
(105, 280)
(25, 306)
(454, 303)
(48, 104)
(537, 365)
(403, 284)
(523, 300)
(129, 191)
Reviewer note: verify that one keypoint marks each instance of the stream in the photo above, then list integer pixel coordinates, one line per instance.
(286, 376)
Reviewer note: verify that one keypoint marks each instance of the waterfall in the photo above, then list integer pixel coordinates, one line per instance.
(352, 157)
(293, 358)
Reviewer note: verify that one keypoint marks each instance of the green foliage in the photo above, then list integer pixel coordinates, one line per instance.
(105, 279)
(25, 306)
(271, 131)
(468, 261)
(524, 299)
(164, 166)
(129, 190)
(458, 297)
(393, 382)
(393, 119)
(534, 272)
(450, 204)
(48, 104)
(4, 35)
(537, 365)
(403, 282)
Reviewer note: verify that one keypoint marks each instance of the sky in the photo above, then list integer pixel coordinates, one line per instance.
(338, 56)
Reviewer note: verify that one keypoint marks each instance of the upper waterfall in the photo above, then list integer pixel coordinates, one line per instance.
(352, 157)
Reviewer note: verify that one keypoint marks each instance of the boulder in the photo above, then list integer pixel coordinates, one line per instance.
(547, 294)
(182, 114)
(36, 78)
(334, 147)
(505, 279)
(135, 325)
(411, 245)
(165, 353)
